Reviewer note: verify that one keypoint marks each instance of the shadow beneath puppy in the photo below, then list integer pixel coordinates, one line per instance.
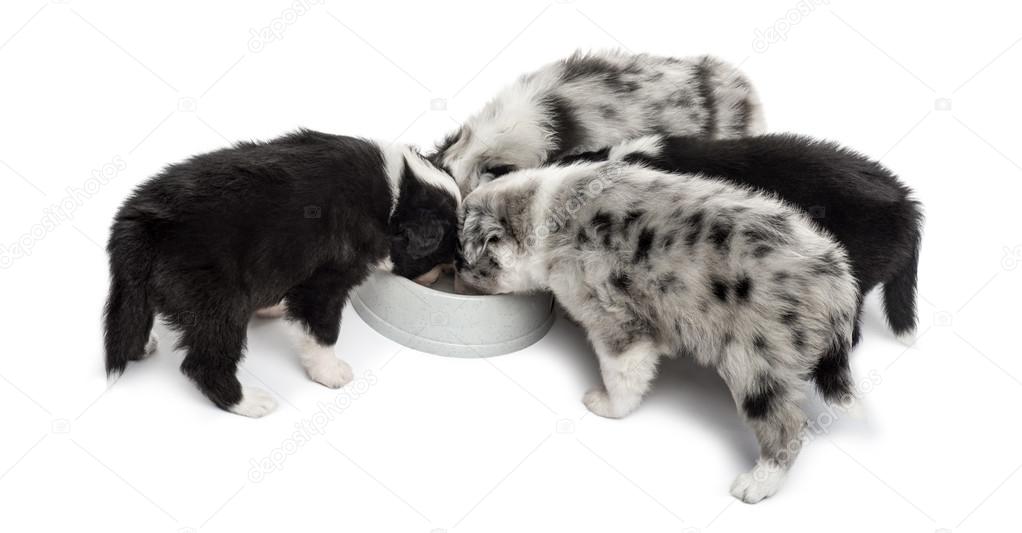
(681, 386)
(699, 394)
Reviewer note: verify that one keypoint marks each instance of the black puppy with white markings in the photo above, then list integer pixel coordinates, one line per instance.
(859, 201)
(302, 218)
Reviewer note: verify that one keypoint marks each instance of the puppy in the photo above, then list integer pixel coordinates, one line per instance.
(303, 218)
(859, 201)
(589, 101)
(653, 264)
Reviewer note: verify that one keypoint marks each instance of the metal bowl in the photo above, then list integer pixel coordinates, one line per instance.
(438, 321)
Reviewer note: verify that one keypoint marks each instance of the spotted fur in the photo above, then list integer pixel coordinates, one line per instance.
(588, 101)
(768, 322)
(857, 200)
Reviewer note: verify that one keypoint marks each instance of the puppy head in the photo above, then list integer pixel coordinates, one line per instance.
(424, 224)
(496, 242)
(512, 132)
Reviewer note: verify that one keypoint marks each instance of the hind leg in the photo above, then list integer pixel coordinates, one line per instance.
(316, 306)
(214, 349)
(627, 375)
(768, 401)
(151, 344)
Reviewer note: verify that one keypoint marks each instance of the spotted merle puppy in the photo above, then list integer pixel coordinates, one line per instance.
(589, 101)
(653, 264)
(858, 200)
(303, 218)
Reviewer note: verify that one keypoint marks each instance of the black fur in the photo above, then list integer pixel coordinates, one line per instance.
(832, 374)
(759, 403)
(859, 201)
(303, 218)
(705, 86)
(569, 131)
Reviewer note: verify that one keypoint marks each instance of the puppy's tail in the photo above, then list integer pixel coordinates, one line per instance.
(900, 289)
(129, 308)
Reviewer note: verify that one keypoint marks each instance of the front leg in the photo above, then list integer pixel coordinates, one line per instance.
(316, 306)
(627, 375)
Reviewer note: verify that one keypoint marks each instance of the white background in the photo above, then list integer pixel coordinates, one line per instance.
(504, 444)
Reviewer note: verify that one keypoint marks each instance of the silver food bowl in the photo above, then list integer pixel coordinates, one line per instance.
(436, 320)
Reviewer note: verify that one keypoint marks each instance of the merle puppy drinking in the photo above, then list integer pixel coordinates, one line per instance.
(589, 101)
(859, 201)
(303, 218)
(653, 264)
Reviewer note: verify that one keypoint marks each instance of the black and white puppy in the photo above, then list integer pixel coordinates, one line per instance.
(859, 201)
(653, 264)
(589, 101)
(302, 218)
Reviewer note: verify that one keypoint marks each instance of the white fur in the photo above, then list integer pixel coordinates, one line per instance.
(395, 156)
(626, 377)
(254, 403)
(762, 482)
(320, 362)
(649, 145)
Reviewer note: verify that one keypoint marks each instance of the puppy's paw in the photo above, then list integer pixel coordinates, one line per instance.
(275, 311)
(254, 403)
(151, 345)
(762, 482)
(598, 403)
(330, 371)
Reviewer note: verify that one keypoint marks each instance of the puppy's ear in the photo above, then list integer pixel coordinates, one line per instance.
(422, 234)
(480, 229)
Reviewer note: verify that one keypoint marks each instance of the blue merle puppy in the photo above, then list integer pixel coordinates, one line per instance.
(302, 218)
(653, 264)
(589, 101)
(858, 200)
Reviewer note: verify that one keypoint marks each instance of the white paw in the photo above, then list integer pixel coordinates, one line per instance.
(762, 482)
(597, 401)
(275, 311)
(151, 345)
(330, 371)
(254, 403)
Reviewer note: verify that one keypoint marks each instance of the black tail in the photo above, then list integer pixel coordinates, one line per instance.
(831, 374)
(900, 290)
(129, 309)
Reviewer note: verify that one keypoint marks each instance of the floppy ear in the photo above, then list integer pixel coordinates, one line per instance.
(481, 230)
(422, 234)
